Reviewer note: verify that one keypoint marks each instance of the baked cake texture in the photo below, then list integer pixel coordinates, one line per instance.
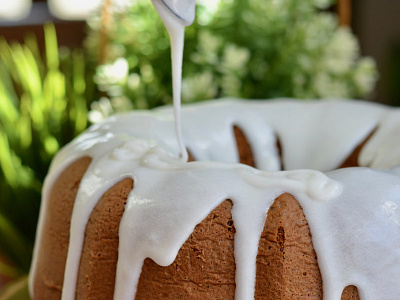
(123, 218)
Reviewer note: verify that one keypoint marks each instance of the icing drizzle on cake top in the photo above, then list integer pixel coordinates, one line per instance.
(176, 15)
(353, 214)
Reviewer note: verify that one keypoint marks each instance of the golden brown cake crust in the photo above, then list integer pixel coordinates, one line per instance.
(204, 267)
(352, 159)
(287, 267)
(350, 293)
(243, 146)
(49, 275)
(100, 250)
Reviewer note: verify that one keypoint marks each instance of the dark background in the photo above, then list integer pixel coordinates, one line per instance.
(377, 24)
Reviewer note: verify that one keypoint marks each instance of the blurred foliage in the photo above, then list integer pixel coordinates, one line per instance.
(17, 290)
(240, 48)
(42, 107)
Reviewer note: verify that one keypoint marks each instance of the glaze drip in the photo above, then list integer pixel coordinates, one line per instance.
(352, 213)
(176, 15)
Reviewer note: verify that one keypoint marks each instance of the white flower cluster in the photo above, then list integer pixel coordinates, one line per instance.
(247, 49)
(231, 66)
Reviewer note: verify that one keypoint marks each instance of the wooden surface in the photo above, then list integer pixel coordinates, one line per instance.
(344, 12)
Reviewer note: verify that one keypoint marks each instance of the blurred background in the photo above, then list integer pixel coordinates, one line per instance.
(375, 24)
(66, 64)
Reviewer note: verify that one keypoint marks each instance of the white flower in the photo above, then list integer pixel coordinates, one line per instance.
(209, 41)
(100, 110)
(327, 87)
(317, 33)
(134, 81)
(365, 75)
(205, 15)
(121, 104)
(104, 108)
(342, 51)
(199, 87)
(211, 5)
(235, 59)
(323, 4)
(115, 73)
(231, 85)
(207, 49)
(147, 72)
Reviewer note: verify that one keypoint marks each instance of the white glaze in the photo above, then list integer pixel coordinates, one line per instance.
(182, 15)
(183, 9)
(353, 214)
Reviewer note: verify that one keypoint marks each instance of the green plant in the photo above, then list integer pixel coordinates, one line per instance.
(42, 107)
(241, 48)
(17, 290)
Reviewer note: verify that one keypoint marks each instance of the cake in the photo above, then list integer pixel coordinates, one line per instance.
(264, 208)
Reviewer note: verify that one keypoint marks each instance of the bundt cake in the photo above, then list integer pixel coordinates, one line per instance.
(123, 218)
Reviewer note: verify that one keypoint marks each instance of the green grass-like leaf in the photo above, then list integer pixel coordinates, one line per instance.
(15, 245)
(42, 107)
(17, 290)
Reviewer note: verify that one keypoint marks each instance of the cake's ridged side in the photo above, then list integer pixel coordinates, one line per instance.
(287, 265)
(49, 276)
(352, 159)
(280, 152)
(190, 156)
(204, 267)
(243, 146)
(100, 250)
(350, 293)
